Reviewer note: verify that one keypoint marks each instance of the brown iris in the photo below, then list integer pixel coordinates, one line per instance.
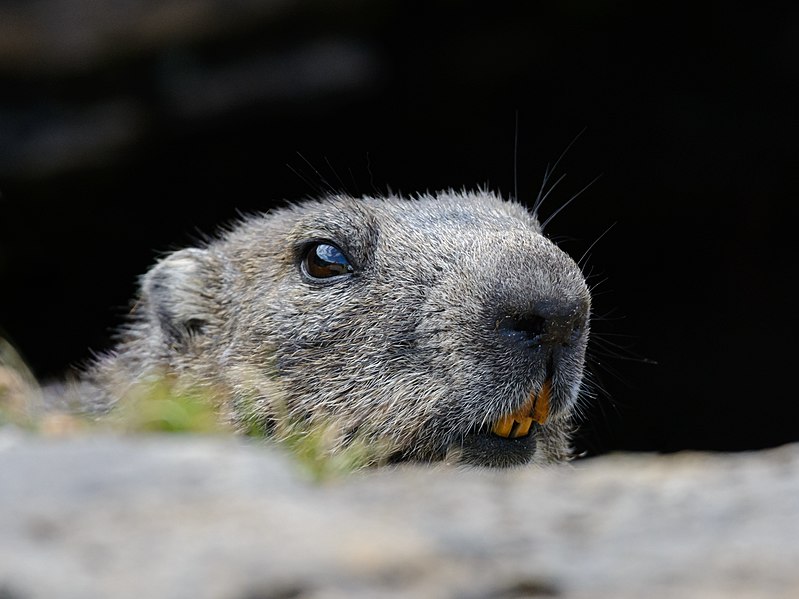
(324, 261)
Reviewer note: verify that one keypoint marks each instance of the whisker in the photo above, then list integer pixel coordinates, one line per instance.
(343, 188)
(354, 182)
(590, 247)
(548, 172)
(314, 186)
(569, 201)
(540, 199)
(316, 171)
(516, 159)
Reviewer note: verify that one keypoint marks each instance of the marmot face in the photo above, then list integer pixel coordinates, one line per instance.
(448, 327)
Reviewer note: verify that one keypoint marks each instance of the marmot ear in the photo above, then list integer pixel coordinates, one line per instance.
(176, 293)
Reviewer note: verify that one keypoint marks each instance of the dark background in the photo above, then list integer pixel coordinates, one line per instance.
(126, 128)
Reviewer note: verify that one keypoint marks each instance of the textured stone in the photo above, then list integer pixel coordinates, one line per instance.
(179, 516)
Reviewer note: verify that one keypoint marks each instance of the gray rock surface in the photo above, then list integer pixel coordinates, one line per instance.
(179, 516)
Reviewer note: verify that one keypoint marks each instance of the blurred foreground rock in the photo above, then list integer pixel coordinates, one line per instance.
(199, 517)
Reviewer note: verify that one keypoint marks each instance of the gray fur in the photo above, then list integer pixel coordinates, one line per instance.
(408, 349)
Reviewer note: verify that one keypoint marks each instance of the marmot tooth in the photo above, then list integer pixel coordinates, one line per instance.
(518, 424)
(541, 403)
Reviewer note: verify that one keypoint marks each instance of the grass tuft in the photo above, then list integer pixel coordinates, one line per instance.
(163, 406)
(318, 450)
(20, 395)
(160, 406)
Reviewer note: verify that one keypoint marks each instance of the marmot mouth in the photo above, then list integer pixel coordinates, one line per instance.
(520, 423)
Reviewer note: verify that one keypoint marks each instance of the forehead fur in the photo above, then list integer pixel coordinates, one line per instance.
(341, 217)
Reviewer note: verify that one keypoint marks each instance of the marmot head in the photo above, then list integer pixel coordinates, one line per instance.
(447, 326)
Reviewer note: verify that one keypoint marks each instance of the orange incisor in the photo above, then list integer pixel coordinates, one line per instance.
(518, 424)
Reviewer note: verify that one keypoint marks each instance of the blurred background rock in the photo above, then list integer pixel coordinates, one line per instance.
(127, 127)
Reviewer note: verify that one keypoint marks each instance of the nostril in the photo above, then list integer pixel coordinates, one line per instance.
(534, 330)
(530, 329)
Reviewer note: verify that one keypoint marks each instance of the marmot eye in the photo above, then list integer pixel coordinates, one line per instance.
(323, 261)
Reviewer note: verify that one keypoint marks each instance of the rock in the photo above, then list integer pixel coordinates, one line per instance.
(180, 516)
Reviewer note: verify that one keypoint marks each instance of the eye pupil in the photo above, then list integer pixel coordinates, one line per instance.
(323, 261)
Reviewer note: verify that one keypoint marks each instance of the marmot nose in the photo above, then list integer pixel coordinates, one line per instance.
(547, 324)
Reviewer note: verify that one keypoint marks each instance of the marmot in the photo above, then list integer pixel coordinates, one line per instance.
(445, 325)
